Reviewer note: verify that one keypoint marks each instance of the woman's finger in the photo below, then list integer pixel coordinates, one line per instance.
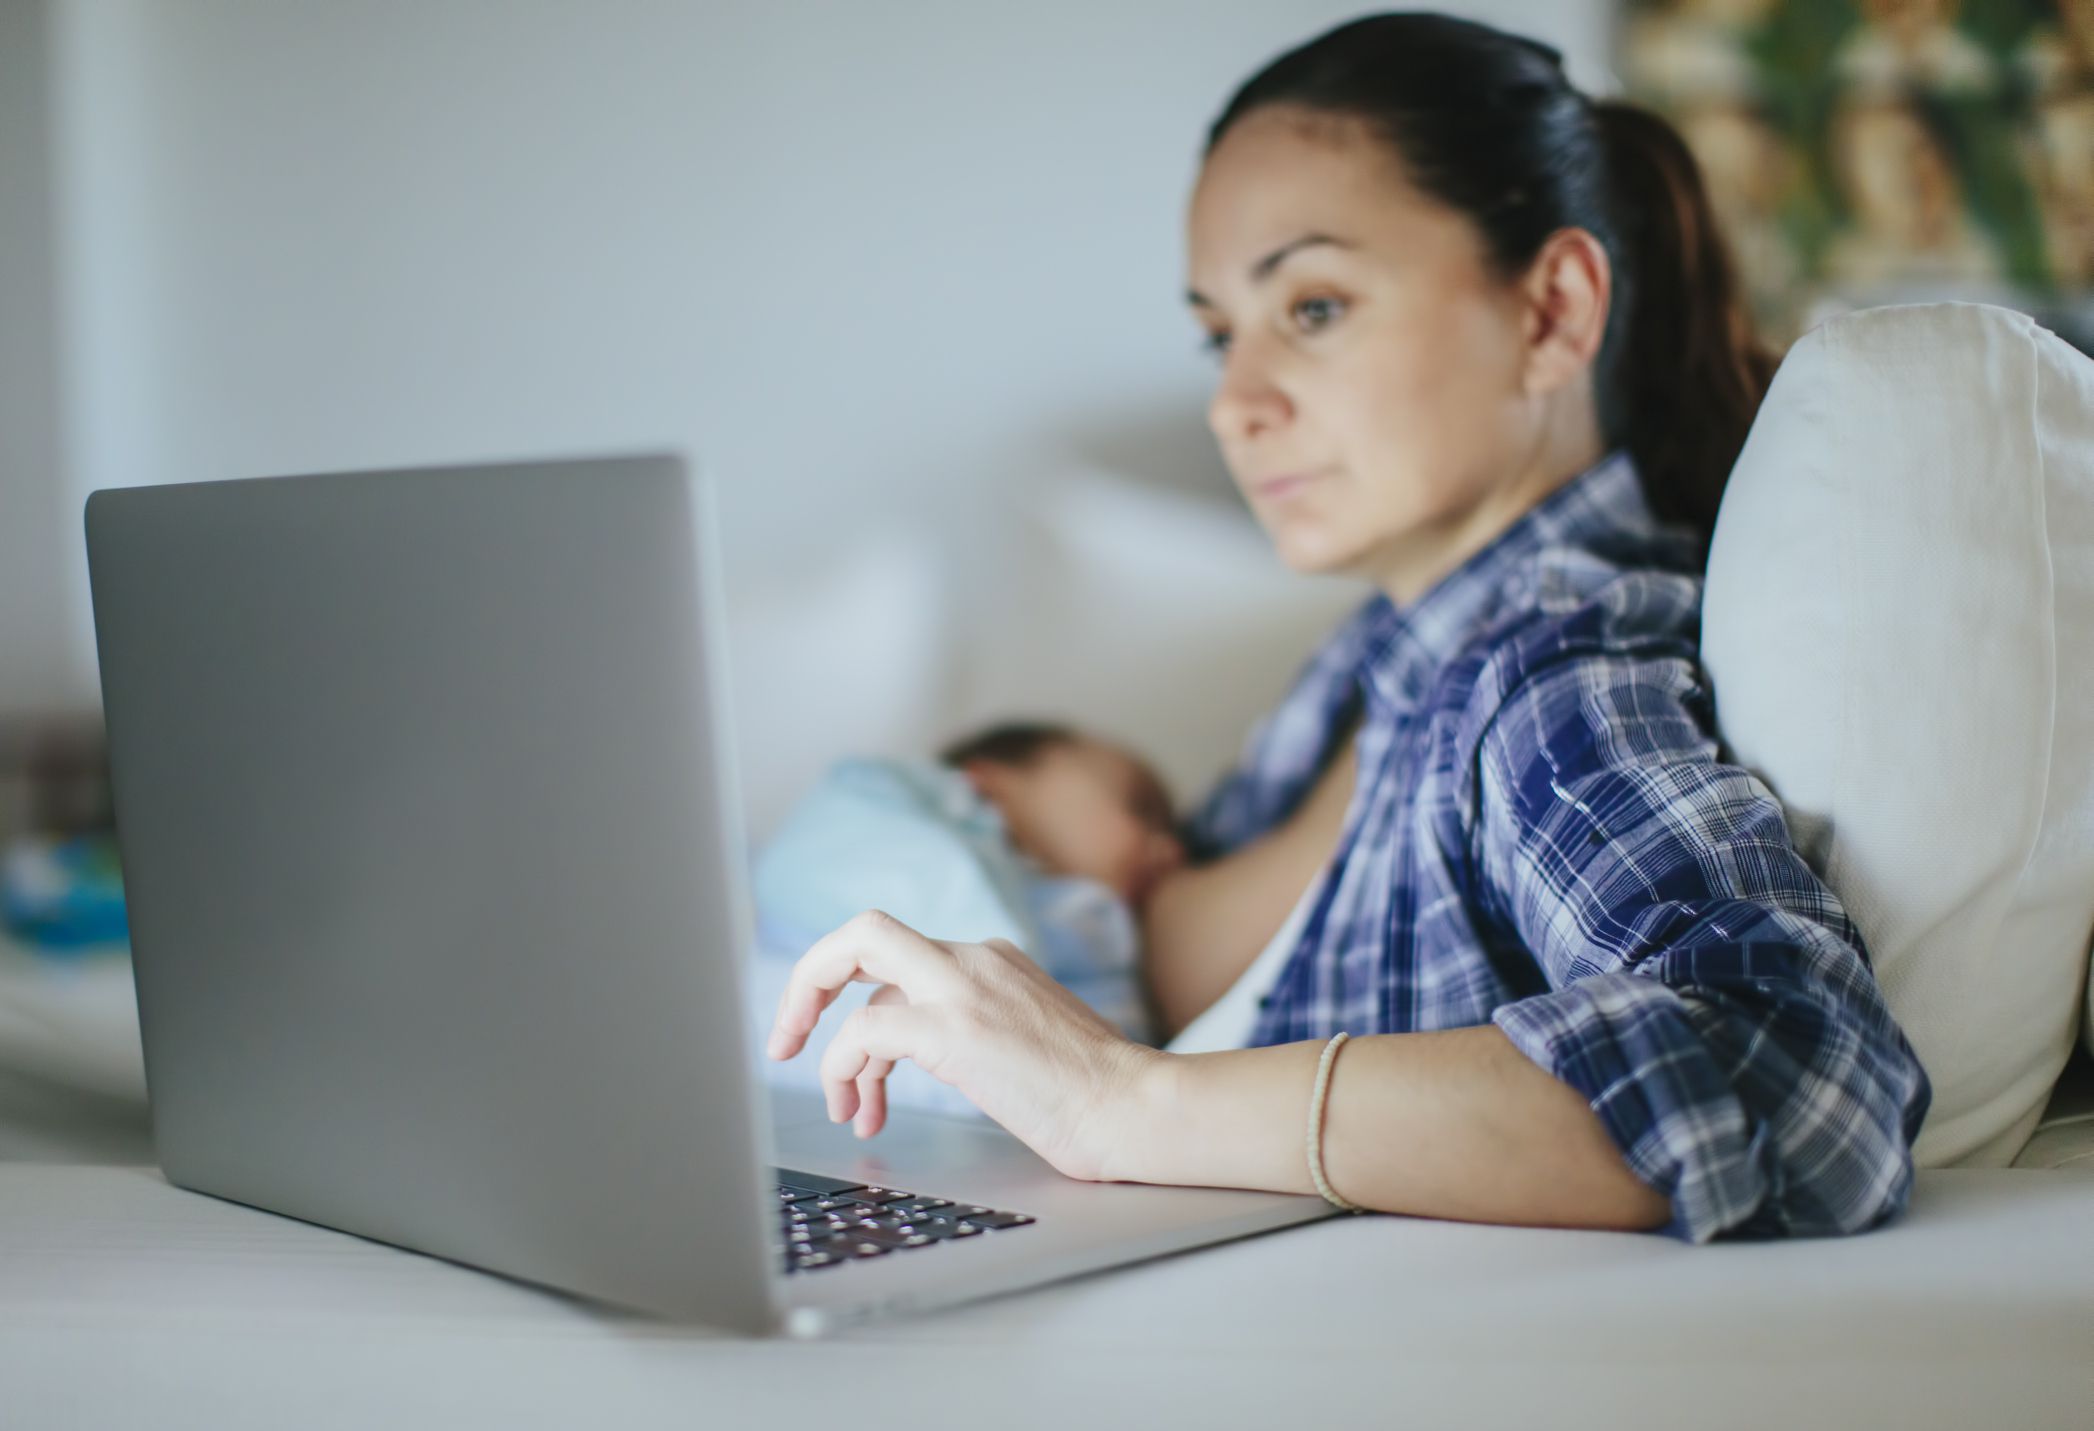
(872, 1096)
(872, 1083)
(873, 946)
(888, 1033)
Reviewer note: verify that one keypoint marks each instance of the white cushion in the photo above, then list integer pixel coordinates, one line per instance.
(1899, 626)
(1160, 617)
(849, 655)
(2065, 1137)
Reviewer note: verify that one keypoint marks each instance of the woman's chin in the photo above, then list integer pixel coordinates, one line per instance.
(1310, 552)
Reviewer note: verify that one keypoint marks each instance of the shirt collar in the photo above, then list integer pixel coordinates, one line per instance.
(1602, 509)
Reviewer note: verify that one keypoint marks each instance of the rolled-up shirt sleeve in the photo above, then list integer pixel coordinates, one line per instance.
(1708, 995)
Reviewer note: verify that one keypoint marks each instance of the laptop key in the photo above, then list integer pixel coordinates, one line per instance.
(919, 1204)
(879, 1219)
(998, 1219)
(838, 1204)
(813, 1182)
(903, 1236)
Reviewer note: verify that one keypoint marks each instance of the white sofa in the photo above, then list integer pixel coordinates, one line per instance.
(124, 1301)
(1849, 598)
(1901, 586)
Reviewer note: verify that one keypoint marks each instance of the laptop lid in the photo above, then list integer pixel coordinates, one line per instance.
(434, 864)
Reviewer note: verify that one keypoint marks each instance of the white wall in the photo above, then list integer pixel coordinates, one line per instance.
(870, 263)
(35, 652)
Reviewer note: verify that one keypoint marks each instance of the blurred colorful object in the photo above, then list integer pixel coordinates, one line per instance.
(1870, 151)
(63, 894)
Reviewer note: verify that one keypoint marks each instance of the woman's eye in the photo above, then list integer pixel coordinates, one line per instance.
(1323, 311)
(1326, 306)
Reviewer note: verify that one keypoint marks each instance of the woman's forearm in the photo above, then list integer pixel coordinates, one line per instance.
(1454, 1124)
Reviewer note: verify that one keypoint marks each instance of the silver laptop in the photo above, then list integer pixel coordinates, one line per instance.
(439, 909)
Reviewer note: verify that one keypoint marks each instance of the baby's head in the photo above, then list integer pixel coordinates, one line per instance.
(1076, 804)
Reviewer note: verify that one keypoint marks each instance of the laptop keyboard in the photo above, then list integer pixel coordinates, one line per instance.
(826, 1222)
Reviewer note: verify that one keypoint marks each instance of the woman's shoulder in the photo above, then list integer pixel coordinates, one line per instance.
(1589, 605)
(1587, 623)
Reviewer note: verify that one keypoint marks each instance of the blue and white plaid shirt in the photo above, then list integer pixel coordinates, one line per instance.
(1544, 836)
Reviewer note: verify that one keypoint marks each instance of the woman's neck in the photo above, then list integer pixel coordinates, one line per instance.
(1426, 557)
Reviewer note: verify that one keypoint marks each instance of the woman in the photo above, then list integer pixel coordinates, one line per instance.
(1480, 347)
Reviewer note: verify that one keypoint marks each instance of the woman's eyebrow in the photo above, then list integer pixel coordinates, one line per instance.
(1262, 269)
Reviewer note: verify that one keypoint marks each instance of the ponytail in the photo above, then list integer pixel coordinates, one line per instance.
(1487, 123)
(1691, 371)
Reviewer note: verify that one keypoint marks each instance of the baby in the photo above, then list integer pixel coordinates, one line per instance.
(1036, 833)
(1074, 804)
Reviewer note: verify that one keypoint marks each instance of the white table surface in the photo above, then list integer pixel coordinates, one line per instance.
(125, 1301)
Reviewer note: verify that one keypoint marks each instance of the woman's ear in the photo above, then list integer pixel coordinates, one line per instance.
(1567, 291)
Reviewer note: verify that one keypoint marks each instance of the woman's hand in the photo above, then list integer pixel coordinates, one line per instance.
(983, 1018)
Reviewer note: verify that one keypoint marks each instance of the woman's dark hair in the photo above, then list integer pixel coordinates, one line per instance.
(1487, 123)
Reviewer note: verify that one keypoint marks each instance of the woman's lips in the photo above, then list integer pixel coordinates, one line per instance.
(1284, 485)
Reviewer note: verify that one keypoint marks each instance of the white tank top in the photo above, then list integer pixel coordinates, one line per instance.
(1228, 1021)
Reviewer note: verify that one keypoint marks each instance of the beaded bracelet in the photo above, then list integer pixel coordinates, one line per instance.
(1323, 1083)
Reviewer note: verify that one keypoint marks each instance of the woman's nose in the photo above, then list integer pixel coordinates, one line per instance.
(1245, 404)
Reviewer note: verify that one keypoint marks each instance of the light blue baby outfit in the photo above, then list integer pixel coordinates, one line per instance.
(914, 837)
